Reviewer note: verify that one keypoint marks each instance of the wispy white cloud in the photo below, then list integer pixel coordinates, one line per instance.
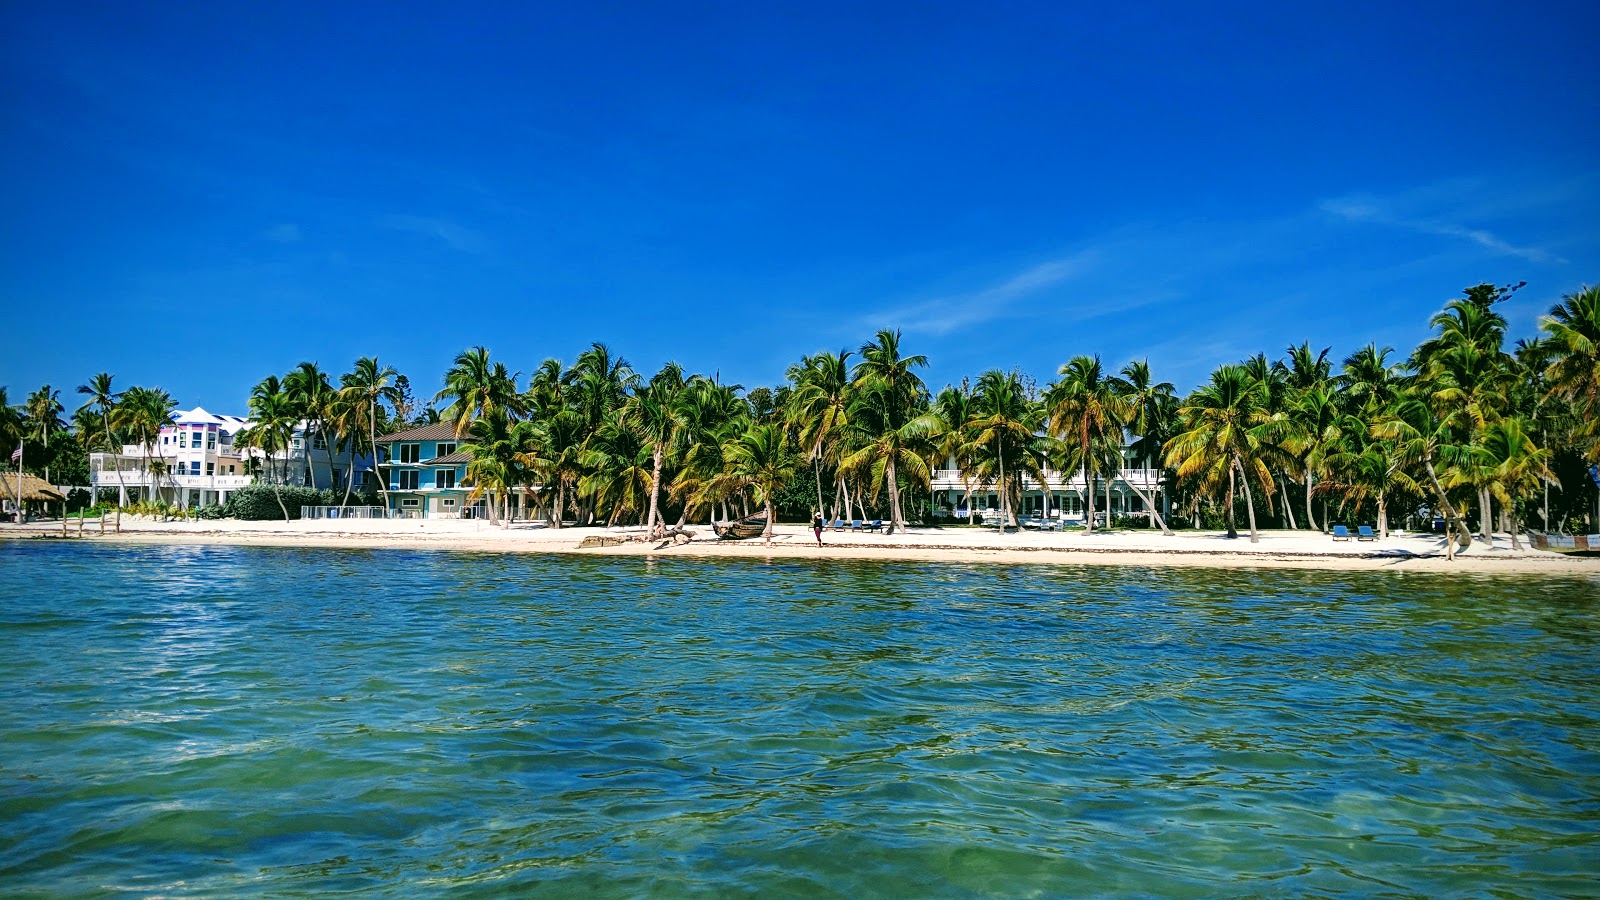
(1380, 212)
(943, 315)
(453, 235)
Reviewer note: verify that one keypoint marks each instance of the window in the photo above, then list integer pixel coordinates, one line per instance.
(407, 481)
(409, 501)
(444, 478)
(448, 502)
(409, 453)
(181, 444)
(319, 442)
(445, 449)
(211, 442)
(227, 438)
(194, 467)
(211, 468)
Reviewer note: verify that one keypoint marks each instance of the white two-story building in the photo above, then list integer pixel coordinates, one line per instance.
(197, 461)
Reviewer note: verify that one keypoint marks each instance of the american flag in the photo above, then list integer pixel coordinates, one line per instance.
(16, 455)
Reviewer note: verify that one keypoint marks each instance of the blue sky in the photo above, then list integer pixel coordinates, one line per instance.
(196, 195)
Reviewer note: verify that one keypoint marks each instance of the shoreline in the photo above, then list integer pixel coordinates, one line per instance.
(1277, 550)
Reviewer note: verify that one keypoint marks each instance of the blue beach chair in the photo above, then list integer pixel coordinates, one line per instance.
(855, 524)
(1341, 533)
(1365, 533)
(875, 525)
(838, 524)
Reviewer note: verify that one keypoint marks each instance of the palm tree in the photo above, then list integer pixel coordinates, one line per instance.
(1310, 430)
(1149, 408)
(892, 397)
(476, 386)
(276, 415)
(500, 450)
(44, 419)
(953, 409)
(888, 438)
(141, 414)
(1573, 326)
(713, 417)
(656, 412)
(362, 388)
(1220, 438)
(1003, 432)
(312, 393)
(1423, 437)
(616, 460)
(818, 405)
(1519, 466)
(762, 460)
(1086, 414)
(104, 400)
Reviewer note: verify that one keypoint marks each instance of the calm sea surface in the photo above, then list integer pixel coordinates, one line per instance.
(234, 722)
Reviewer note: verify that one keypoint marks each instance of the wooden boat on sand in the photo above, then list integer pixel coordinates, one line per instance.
(747, 527)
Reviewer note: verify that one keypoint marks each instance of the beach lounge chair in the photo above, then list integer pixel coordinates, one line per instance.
(838, 524)
(874, 525)
(1365, 533)
(855, 524)
(1341, 533)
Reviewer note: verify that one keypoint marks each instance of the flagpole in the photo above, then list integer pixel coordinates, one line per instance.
(20, 515)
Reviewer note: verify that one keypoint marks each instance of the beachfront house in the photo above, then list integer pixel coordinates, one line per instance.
(1064, 500)
(426, 471)
(197, 460)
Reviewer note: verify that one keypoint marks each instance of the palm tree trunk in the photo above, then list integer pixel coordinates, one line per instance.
(1452, 521)
(1288, 508)
(1088, 500)
(1311, 520)
(894, 497)
(1511, 524)
(1249, 500)
(655, 489)
(766, 533)
(1383, 516)
(1149, 502)
(1485, 516)
(1233, 531)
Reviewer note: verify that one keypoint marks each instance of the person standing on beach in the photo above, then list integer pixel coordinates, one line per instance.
(816, 526)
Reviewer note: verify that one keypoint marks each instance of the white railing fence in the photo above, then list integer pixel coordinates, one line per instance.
(343, 512)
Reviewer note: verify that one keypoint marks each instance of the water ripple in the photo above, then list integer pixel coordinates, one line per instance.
(235, 722)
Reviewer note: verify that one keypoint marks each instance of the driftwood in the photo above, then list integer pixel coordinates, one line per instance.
(667, 538)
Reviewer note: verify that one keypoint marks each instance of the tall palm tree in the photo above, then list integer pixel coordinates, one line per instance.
(888, 438)
(1519, 464)
(954, 441)
(616, 461)
(312, 393)
(500, 449)
(1424, 437)
(891, 396)
(1573, 326)
(713, 417)
(362, 389)
(1003, 431)
(818, 405)
(44, 419)
(1085, 413)
(277, 415)
(475, 386)
(140, 415)
(656, 410)
(104, 400)
(1220, 439)
(1149, 408)
(762, 460)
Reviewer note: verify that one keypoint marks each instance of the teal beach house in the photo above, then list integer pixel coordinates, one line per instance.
(426, 472)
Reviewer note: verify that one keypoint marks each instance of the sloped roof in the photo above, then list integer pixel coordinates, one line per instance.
(34, 488)
(460, 456)
(443, 431)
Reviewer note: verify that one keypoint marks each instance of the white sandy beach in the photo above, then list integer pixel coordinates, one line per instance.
(1276, 549)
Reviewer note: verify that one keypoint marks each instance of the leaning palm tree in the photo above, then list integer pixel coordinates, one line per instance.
(1219, 441)
(1085, 413)
(616, 461)
(1149, 407)
(475, 386)
(714, 416)
(500, 448)
(1519, 466)
(762, 460)
(954, 442)
(1423, 437)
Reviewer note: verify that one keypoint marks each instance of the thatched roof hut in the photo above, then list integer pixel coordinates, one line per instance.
(34, 489)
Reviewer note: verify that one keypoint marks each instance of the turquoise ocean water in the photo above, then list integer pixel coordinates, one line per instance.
(238, 722)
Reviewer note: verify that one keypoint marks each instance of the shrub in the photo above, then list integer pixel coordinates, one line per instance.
(212, 511)
(260, 501)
